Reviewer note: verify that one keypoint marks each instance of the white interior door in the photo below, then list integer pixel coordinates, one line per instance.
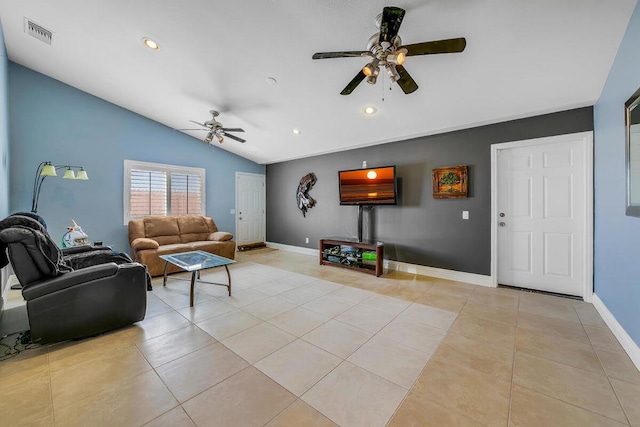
(543, 209)
(250, 208)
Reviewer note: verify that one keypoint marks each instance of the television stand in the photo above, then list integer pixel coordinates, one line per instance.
(352, 254)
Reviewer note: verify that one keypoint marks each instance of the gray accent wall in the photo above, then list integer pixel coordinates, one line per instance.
(420, 229)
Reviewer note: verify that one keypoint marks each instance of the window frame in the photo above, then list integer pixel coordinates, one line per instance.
(168, 169)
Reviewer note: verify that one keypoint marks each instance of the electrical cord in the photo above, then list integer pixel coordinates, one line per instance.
(22, 343)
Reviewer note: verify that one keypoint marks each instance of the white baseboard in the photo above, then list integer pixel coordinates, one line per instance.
(440, 273)
(625, 340)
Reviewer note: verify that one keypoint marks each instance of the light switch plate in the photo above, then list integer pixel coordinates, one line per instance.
(465, 214)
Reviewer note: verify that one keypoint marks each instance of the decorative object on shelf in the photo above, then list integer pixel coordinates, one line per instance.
(305, 201)
(46, 169)
(74, 236)
(449, 182)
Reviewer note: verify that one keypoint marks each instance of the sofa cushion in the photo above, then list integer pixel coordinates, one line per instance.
(162, 229)
(193, 228)
(173, 249)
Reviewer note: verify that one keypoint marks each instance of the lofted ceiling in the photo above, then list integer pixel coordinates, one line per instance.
(523, 58)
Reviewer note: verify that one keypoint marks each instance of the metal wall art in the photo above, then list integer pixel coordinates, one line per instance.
(305, 201)
(449, 182)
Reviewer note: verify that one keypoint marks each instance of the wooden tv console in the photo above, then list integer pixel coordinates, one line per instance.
(345, 252)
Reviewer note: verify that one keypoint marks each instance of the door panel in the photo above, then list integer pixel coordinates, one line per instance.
(250, 208)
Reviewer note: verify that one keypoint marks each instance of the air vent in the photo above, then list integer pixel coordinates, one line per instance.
(37, 31)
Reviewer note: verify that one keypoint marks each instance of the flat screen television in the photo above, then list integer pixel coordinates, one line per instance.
(371, 186)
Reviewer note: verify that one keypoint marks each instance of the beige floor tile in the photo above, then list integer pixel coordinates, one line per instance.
(23, 367)
(351, 295)
(173, 345)
(531, 409)
(497, 333)
(429, 316)
(70, 384)
(452, 303)
(181, 301)
(298, 366)
(352, 396)
(258, 341)
(618, 365)
(229, 324)
(390, 360)
(242, 298)
(405, 292)
(197, 371)
(132, 402)
(157, 325)
(578, 387)
(569, 352)
(475, 394)
(548, 306)
(603, 338)
(494, 299)
(156, 306)
(416, 411)
(629, 396)
(387, 304)
(328, 306)
(298, 321)
(174, 418)
(589, 315)
(553, 327)
(478, 355)
(338, 338)
(301, 414)
(323, 286)
(365, 317)
(300, 295)
(206, 310)
(262, 399)
(275, 287)
(27, 401)
(419, 337)
(268, 308)
(483, 311)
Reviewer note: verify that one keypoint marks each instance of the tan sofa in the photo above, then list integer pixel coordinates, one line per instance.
(161, 235)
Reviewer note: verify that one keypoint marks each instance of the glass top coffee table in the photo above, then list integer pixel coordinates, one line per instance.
(194, 262)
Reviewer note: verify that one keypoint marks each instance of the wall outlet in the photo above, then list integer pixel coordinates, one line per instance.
(306, 240)
(465, 214)
(232, 211)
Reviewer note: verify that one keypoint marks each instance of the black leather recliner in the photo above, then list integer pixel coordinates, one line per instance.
(63, 303)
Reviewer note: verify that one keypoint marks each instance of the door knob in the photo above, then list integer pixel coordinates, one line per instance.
(502, 224)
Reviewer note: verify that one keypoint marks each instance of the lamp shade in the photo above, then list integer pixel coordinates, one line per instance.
(69, 174)
(82, 174)
(48, 170)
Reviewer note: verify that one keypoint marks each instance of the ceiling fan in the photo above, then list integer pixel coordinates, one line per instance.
(215, 128)
(386, 50)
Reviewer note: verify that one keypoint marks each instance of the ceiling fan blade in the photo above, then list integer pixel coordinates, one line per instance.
(391, 19)
(406, 82)
(191, 129)
(438, 46)
(345, 54)
(228, 135)
(353, 83)
(201, 124)
(233, 130)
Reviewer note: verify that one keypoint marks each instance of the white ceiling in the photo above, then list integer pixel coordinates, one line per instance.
(523, 58)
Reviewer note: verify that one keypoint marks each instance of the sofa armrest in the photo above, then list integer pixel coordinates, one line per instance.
(69, 280)
(81, 249)
(144, 243)
(220, 236)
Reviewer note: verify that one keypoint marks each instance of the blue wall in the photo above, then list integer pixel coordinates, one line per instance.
(52, 121)
(617, 237)
(4, 130)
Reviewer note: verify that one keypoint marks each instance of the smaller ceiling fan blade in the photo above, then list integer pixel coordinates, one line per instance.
(406, 82)
(438, 46)
(191, 129)
(201, 124)
(345, 54)
(353, 83)
(390, 25)
(233, 129)
(228, 135)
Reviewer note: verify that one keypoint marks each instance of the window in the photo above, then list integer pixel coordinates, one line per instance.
(157, 189)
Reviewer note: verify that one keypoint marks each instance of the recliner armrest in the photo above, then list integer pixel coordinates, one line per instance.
(67, 280)
(84, 248)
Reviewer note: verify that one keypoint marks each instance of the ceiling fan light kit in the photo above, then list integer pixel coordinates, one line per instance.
(386, 49)
(215, 128)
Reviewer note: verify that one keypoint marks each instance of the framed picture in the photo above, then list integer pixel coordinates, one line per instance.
(449, 182)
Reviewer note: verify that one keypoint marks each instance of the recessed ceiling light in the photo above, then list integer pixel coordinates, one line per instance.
(296, 131)
(369, 110)
(151, 44)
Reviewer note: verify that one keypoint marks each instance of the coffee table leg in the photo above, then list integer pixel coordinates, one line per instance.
(229, 277)
(164, 279)
(193, 282)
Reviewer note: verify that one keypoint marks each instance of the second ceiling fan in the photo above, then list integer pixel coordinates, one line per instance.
(215, 128)
(386, 50)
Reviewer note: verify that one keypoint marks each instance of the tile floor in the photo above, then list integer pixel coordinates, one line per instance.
(303, 345)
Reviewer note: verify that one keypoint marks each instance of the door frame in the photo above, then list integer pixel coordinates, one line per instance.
(587, 139)
(264, 198)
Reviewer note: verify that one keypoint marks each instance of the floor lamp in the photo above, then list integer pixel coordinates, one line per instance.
(46, 169)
